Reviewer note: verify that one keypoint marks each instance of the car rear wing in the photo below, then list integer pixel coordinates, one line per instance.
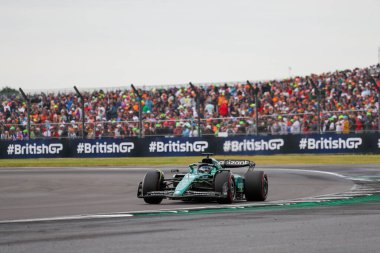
(236, 163)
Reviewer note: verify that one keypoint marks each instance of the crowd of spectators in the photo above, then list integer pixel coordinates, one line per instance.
(348, 104)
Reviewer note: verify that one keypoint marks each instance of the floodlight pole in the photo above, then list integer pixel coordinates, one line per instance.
(27, 110)
(373, 81)
(197, 105)
(82, 105)
(309, 80)
(378, 109)
(255, 91)
(140, 109)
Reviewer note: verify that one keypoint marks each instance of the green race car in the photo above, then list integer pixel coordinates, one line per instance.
(209, 180)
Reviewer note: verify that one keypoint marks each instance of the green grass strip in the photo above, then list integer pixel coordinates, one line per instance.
(184, 161)
(274, 207)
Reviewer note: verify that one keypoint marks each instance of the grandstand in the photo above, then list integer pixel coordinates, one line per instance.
(339, 102)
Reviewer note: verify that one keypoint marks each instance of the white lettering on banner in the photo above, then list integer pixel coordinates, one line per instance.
(329, 143)
(104, 148)
(34, 149)
(252, 145)
(177, 146)
(236, 162)
(378, 143)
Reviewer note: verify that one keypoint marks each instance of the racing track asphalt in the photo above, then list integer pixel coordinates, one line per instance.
(34, 193)
(27, 193)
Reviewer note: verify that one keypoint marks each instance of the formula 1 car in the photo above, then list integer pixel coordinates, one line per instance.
(209, 180)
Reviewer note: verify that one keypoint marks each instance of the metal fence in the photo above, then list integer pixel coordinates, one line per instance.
(279, 124)
(316, 120)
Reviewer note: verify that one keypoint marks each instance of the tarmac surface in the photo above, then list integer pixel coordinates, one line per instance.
(38, 206)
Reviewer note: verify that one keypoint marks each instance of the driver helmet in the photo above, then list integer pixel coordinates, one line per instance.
(204, 168)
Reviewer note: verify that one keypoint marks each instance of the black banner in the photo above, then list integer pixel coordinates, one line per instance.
(34, 149)
(161, 146)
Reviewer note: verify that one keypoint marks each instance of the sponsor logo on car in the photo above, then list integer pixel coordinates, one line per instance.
(236, 163)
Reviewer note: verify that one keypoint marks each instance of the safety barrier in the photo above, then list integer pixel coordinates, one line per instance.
(161, 146)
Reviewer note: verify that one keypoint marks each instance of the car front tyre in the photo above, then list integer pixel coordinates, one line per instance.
(225, 184)
(152, 182)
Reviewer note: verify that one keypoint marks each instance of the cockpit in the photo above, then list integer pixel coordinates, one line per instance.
(204, 168)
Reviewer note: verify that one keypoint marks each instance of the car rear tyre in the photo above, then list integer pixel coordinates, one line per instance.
(152, 182)
(256, 186)
(224, 183)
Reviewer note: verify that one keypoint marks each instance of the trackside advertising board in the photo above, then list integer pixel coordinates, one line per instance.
(163, 146)
(33, 149)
